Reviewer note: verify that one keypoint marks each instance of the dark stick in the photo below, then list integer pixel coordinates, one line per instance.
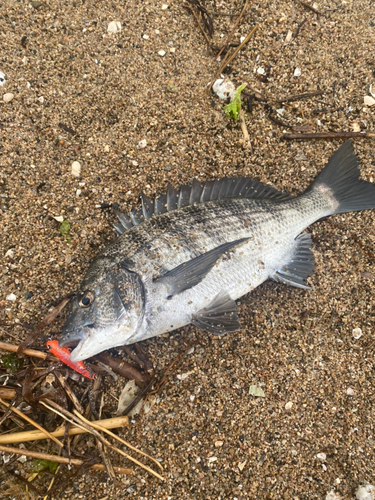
(225, 45)
(278, 122)
(328, 135)
(299, 28)
(199, 24)
(310, 7)
(122, 367)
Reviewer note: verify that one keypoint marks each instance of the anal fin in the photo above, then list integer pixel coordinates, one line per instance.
(219, 317)
(300, 266)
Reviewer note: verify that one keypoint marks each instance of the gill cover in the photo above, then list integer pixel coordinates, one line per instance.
(106, 313)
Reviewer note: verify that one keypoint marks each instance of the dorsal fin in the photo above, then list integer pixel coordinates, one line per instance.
(220, 189)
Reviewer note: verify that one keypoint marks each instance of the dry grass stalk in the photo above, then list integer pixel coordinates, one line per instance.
(103, 429)
(80, 423)
(7, 393)
(226, 43)
(28, 419)
(22, 437)
(30, 352)
(58, 459)
(245, 132)
(328, 135)
(230, 58)
(69, 392)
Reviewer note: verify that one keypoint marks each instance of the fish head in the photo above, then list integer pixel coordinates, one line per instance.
(107, 311)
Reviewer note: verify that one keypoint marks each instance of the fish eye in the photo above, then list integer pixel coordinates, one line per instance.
(86, 300)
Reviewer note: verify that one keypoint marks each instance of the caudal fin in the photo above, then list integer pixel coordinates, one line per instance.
(341, 177)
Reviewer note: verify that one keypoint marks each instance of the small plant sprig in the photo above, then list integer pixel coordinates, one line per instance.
(233, 109)
(64, 231)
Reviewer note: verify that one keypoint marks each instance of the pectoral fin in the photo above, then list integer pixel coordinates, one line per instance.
(219, 317)
(300, 266)
(189, 274)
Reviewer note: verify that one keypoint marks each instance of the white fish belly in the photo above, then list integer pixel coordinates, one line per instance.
(237, 273)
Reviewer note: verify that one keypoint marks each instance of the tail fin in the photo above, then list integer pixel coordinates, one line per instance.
(340, 176)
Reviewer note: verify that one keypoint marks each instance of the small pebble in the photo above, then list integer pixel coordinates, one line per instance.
(145, 37)
(357, 333)
(10, 253)
(114, 27)
(289, 405)
(2, 79)
(223, 88)
(36, 4)
(164, 6)
(8, 97)
(368, 100)
(297, 72)
(162, 53)
(321, 456)
(350, 391)
(142, 144)
(256, 391)
(11, 297)
(365, 492)
(76, 169)
(59, 218)
(219, 444)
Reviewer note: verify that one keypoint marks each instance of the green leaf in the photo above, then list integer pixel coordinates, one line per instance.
(234, 107)
(11, 362)
(38, 465)
(64, 227)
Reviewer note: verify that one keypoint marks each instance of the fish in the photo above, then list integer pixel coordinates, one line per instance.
(63, 354)
(188, 255)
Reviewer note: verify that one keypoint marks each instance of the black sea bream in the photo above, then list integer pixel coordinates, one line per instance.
(187, 256)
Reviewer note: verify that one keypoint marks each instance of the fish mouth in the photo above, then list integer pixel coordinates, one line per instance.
(73, 337)
(86, 347)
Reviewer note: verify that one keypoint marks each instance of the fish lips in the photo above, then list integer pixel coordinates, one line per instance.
(70, 338)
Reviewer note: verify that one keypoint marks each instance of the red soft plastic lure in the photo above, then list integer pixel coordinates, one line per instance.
(63, 354)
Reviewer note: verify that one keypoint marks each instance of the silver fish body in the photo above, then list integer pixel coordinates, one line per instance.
(190, 263)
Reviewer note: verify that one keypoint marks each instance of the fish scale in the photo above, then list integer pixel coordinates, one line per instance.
(190, 254)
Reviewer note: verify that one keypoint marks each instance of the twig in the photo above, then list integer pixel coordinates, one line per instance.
(328, 135)
(103, 429)
(107, 462)
(225, 44)
(58, 459)
(30, 352)
(245, 131)
(28, 419)
(299, 28)
(278, 122)
(297, 97)
(7, 393)
(22, 437)
(230, 58)
(199, 24)
(310, 7)
(69, 416)
(69, 392)
(122, 367)
(47, 320)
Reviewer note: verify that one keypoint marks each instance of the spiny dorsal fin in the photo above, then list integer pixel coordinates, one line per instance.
(220, 189)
